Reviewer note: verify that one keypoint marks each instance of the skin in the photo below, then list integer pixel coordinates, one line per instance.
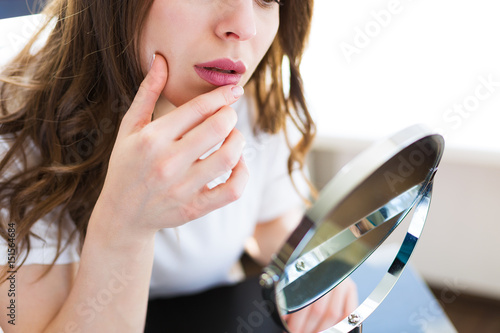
(167, 188)
(238, 30)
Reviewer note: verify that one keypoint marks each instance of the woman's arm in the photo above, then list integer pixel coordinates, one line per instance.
(155, 180)
(269, 236)
(109, 291)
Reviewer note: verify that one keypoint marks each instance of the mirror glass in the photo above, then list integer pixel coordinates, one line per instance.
(353, 215)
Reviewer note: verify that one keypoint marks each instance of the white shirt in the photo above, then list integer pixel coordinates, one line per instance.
(202, 253)
(43, 250)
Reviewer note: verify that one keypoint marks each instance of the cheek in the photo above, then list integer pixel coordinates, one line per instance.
(160, 30)
(269, 29)
(267, 35)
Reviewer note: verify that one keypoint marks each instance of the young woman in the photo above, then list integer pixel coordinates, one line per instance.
(115, 186)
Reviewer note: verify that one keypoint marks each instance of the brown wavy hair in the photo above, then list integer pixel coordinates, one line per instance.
(68, 99)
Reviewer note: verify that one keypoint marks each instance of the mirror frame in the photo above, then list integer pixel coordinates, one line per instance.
(344, 183)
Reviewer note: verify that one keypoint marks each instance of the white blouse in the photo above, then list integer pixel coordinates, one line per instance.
(202, 253)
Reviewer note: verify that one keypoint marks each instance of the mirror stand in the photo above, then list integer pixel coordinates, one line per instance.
(358, 329)
(354, 214)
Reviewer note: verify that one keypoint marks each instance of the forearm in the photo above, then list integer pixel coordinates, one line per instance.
(270, 236)
(110, 291)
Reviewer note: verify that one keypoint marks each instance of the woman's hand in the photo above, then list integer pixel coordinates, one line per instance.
(327, 311)
(155, 178)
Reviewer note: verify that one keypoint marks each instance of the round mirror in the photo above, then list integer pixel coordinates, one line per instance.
(353, 215)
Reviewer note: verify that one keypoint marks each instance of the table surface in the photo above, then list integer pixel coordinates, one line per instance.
(409, 308)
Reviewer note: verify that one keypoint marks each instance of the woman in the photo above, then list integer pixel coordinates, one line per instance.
(111, 191)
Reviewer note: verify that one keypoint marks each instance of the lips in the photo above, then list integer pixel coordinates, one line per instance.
(221, 72)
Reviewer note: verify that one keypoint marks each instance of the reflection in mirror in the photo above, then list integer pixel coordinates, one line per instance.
(333, 253)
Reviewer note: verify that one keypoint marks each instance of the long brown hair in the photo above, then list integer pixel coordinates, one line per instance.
(68, 98)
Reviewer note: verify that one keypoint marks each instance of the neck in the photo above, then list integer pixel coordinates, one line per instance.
(163, 106)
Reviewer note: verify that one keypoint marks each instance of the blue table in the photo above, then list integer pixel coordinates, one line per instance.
(409, 308)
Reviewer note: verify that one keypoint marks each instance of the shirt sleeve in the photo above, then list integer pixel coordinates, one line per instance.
(43, 246)
(279, 194)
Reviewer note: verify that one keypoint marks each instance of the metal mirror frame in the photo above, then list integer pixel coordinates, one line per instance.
(344, 183)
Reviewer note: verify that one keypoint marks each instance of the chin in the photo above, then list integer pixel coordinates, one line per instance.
(179, 97)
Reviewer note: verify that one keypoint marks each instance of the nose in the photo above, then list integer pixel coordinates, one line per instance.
(237, 21)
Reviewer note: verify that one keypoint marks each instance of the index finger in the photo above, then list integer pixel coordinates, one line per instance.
(194, 112)
(140, 112)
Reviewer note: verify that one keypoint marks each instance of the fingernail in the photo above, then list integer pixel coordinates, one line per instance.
(152, 61)
(237, 91)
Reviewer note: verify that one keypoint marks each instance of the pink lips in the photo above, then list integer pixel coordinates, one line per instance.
(221, 72)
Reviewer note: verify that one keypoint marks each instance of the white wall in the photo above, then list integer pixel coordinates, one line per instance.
(430, 60)
(369, 74)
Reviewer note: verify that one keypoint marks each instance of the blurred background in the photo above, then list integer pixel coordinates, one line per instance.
(373, 67)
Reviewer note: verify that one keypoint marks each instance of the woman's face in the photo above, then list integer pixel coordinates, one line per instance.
(208, 43)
